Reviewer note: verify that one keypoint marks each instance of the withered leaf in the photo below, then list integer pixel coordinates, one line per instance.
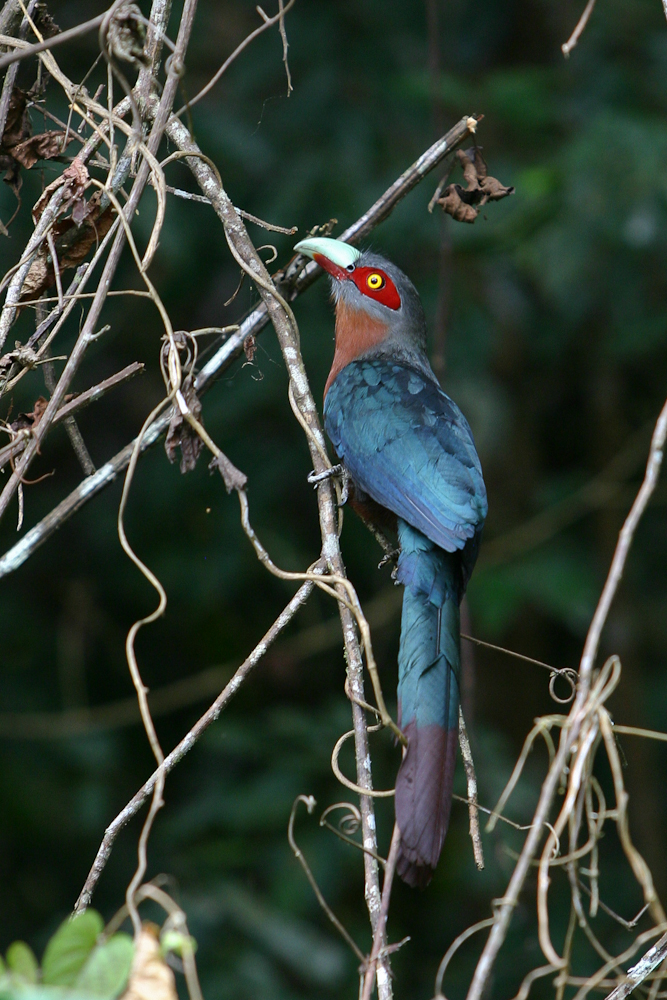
(73, 240)
(233, 478)
(75, 177)
(453, 204)
(18, 125)
(80, 209)
(30, 419)
(12, 175)
(180, 433)
(47, 26)
(463, 204)
(249, 347)
(44, 146)
(150, 976)
(126, 35)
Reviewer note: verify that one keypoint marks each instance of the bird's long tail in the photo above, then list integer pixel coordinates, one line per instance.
(428, 700)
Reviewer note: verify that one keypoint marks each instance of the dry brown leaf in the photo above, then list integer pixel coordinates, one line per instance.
(463, 204)
(44, 146)
(126, 35)
(75, 177)
(249, 347)
(72, 240)
(18, 126)
(150, 976)
(233, 478)
(180, 433)
(24, 420)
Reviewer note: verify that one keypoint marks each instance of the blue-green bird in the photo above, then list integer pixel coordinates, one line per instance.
(410, 455)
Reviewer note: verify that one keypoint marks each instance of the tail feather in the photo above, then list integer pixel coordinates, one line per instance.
(428, 693)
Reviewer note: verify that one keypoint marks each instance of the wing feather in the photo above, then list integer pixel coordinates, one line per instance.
(407, 445)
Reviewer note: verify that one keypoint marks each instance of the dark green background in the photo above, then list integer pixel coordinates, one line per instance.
(551, 318)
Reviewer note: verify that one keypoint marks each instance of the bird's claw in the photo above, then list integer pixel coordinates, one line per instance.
(315, 478)
(389, 557)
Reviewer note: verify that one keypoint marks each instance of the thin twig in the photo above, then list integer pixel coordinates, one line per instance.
(44, 224)
(642, 970)
(71, 426)
(310, 804)
(189, 196)
(576, 718)
(253, 324)
(567, 46)
(283, 36)
(267, 22)
(188, 741)
(471, 779)
(79, 402)
(64, 36)
(380, 934)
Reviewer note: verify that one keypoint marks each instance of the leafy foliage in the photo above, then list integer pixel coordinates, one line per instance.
(75, 966)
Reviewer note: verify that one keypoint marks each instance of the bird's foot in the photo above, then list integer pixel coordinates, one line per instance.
(390, 556)
(315, 478)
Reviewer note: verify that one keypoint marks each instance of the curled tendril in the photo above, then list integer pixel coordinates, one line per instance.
(269, 246)
(184, 343)
(361, 704)
(570, 677)
(454, 947)
(310, 803)
(173, 64)
(347, 826)
(371, 792)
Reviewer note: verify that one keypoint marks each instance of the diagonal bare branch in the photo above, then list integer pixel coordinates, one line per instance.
(252, 325)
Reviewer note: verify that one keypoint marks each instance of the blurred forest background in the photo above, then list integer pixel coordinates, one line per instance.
(549, 329)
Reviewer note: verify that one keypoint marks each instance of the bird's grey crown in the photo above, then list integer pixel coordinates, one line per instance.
(406, 340)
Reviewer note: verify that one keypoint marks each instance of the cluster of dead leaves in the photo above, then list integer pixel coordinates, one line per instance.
(30, 420)
(180, 433)
(81, 224)
(463, 204)
(19, 147)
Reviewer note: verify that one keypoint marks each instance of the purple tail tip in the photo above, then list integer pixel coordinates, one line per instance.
(423, 800)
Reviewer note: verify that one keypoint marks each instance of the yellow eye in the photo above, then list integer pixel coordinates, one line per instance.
(375, 281)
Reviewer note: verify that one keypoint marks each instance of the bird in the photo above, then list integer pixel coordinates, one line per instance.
(411, 461)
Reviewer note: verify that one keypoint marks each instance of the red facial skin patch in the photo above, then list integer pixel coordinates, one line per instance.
(385, 293)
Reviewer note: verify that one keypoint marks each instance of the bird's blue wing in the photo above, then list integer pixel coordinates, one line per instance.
(407, 445)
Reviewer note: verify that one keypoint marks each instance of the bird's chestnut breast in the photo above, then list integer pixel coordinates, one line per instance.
(356, 333)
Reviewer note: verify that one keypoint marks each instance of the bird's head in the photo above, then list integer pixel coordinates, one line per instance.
(371, 292)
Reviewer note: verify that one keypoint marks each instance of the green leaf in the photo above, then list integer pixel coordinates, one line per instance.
(107, 970)
(22, 962)
(69, 948)
(35, 991)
